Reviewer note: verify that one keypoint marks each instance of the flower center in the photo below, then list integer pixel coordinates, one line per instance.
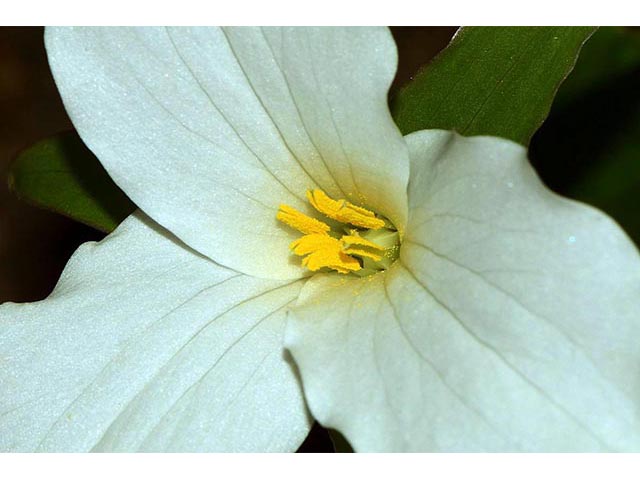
(360, 243)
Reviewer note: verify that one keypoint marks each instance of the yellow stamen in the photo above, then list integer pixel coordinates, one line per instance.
(362, 252)
(323, 250)
(343, 211)
(355, 239)
(300, 221)
(363, 248)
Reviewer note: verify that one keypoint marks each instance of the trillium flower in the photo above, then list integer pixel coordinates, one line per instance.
(298, 258)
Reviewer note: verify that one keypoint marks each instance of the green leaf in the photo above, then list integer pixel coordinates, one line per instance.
(61, 174)
(589, 148)
(491, 81)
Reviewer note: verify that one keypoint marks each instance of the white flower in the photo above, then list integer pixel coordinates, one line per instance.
(510, 320)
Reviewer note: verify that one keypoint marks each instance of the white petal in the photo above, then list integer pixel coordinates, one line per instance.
(210, 130)
(146, 345)
(510, 322)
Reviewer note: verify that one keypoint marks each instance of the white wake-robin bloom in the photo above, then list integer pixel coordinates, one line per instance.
(438, 297)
